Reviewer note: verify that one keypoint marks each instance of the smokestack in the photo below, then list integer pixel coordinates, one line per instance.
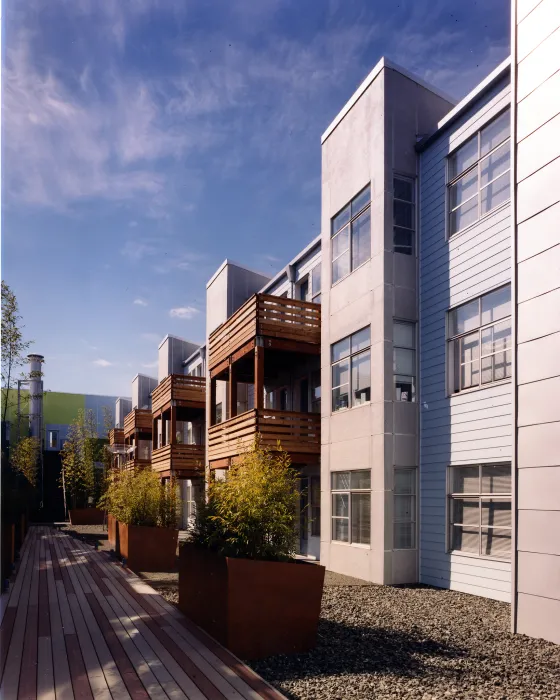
(35, 394)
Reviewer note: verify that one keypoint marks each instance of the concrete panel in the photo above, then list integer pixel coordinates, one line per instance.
(539, 316)
(351, 302)
(539, 402)
(537, 531)
(535, 194)
(537, 26)
(405, 303)
(405, 271)
(540, 106)
(405, 417)
(404, 566)
(406, 452)
(351, 560)
(539, 274)
(539, 574)
(538, 617)
(350, 454)
(538, 149)
(539, 65)
(539, 445)
(351, 423)
(538, 360)
(539, 488)
(540, 232)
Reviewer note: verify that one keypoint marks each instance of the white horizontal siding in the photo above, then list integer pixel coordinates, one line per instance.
(474, 426)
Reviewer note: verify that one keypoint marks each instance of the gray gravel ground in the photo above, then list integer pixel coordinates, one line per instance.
(423, 643)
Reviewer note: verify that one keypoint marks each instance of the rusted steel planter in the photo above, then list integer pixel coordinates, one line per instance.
(86, 516)
(148, 548)
(113, 532)
(254, 608)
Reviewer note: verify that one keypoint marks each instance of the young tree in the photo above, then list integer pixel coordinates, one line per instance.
(14, 347)
(25, 458)
(81, 454)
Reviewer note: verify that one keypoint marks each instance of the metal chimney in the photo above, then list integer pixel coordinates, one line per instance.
(35, 394)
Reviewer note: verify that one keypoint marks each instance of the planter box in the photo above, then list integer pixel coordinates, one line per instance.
(254, 608)
(113, 532)
(148, 548)
(86, 516)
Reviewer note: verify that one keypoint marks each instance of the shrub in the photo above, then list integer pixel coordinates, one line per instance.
(81, 456)
(252, 513)
(140, 498)
(25, 458)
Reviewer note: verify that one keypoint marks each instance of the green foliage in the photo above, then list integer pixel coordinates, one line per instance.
(12, 344)
(252, 513)
(140, 498)
(82, 452)
(24, 457)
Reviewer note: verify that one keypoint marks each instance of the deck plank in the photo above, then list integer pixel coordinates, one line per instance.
(45, 670)
(27, 689)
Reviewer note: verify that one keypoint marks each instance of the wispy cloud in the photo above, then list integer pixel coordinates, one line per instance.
(140, 302)
(102, 363)
(183, 312)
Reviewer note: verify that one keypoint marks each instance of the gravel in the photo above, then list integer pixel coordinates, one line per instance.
(406, 643)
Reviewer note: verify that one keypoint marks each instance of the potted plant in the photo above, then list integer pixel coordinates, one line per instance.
(238, 576)
(82, 470)
(145, 511)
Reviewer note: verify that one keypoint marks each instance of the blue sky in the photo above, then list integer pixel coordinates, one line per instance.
(144, 141)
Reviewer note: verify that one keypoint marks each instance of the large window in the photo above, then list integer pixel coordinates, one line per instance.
(479, 508)
(351, 506)
(351, 236)
(404, 509)
(404, 360)
(309, 289)
(478, 174)
(479, 346)
(53, 439)
(351, 370)
(403, 215)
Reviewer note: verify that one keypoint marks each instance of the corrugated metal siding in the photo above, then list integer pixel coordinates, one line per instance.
(475, 426)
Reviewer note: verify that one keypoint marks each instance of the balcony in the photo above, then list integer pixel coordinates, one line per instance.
(298, 433)
(182, 461)
(138, 420)
(284, 324)
(184, 391)
(116, 436)
(140, 454)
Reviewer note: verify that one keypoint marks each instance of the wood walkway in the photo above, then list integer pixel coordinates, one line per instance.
(76, 626)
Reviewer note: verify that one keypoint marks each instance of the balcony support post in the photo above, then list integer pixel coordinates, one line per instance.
(232, 391)
(259, 377)
(173, 424)
(212, 401)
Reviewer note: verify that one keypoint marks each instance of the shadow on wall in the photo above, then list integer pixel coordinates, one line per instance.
(374, 650)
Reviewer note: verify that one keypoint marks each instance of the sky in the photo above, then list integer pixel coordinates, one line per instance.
(145, 141)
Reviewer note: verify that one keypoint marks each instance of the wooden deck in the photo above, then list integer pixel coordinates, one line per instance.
(76, 625)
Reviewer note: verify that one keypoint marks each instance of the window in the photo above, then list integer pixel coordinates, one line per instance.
(479, 345)
(219, 412)
(404, 509)
(351, 370)
(316, 391)
(403, 215)
(404, 360)
(303, 289)
(350, 233)
(479, 509)
(316, 284)
(53, 439)
(351, 506)
(478, 174)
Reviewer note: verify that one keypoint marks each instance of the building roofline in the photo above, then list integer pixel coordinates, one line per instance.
(461, 107)
(198, 351)
(228, 261)
(382, 63)
(141, 374)
(284, 270)
(177, 337)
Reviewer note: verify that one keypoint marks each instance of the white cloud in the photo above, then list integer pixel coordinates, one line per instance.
(183, 312)
(102, 363)
(140, 302)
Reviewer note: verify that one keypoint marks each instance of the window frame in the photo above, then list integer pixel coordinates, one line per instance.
(413, 520)
(349, 491)
(351, 355)
(480, 496)
(412, 181)
(451, 340)
(450, 181)
(415, 351)
(349, 224)
(54, 433)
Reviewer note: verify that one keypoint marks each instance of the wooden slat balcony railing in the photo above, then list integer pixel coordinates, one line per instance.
(137, 419)
(269, 316)
(184, 390)
(298, 433)
(116, 436)
(185, 460)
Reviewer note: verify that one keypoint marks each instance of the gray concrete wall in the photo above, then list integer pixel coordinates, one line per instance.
(471, 427)
(374, 140)
(536, 62)
(142, 387)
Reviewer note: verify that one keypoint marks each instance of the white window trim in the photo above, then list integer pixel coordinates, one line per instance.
(412, 180)
(349, 224)
(348, 491)
(449, 182)
(415, 513)
(349, 357)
